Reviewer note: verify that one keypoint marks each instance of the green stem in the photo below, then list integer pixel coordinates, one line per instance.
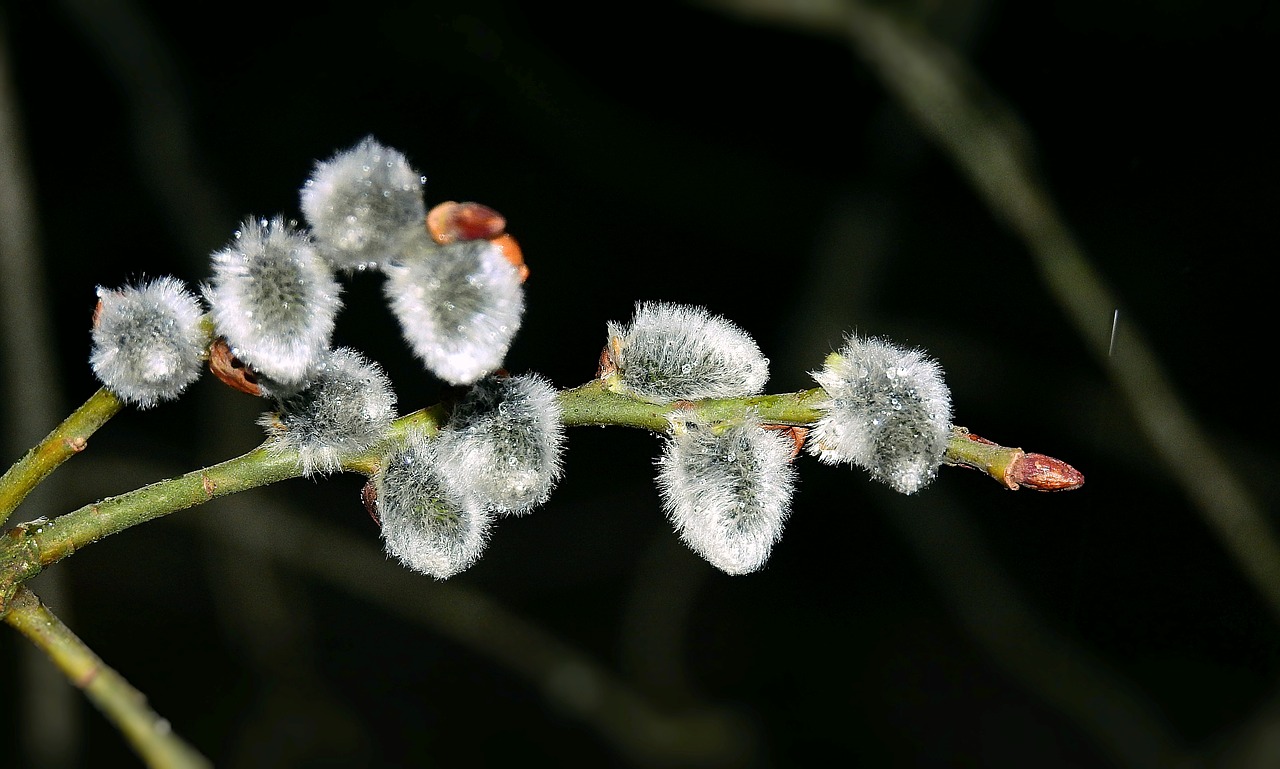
(26, 549)
(66, 440)
(123, 705)
(594, 404)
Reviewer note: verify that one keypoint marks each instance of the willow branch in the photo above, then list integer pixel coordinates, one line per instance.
(26, 549)
(122, 704)
(66, 440)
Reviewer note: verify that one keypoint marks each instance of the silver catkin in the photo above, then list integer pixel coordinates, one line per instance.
(727, 493)
(148, 341)
(503, 441)
(673, 351)
(888, 411)
(425, 525)
(347, 408)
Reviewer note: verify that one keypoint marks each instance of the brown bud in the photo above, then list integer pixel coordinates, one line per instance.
(369, 496)
(1044, 473)
(609, 358)
(451, 221)
(231, 370)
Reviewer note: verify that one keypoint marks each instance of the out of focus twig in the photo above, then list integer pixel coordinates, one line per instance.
(31, 402)
(706, 737)
(986, 141)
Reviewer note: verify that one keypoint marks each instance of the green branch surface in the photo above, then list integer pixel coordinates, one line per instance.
(66, 440)
(126, 707)
(28, 548)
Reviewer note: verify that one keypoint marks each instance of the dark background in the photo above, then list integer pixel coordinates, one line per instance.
(679, 152)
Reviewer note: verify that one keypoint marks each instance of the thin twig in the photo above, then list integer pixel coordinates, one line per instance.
(122, 704)
(66, 440)
(50, 717)
(572, 680)
(28, 548)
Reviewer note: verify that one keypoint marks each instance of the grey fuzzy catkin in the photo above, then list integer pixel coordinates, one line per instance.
(426, 525)
(502, 443)
(673, 351)
(274, 300)
(459, 306)
(887, 411)
(347, 408)
(362, 204)
(148, 341)
(727, 494)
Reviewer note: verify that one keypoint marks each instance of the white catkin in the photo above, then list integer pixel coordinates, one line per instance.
(274, 299)
(727, 495)
(148, 341)
(502, 443)
(426, 525)
(347, 409)
(362, 204)
(459, 306)
(672, 351)
(888, 411)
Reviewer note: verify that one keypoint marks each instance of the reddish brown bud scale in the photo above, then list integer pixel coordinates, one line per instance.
(369, 496)
(1044, 473)
(796, 433)
(609, 358)
(231, 370)
(451, 221)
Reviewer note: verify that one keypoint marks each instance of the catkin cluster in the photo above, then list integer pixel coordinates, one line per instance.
(264, 320)
(727, 487)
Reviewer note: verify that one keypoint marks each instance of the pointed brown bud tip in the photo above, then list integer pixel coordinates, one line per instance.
(1044, 473)
(369, 496)
(97, 313)
(231, 370)
(609, 358)
(450, 221)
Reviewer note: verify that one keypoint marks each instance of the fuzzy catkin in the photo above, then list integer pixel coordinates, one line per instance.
(274, 299)
(426, 525)
(148, 342)
(502, 443)
(362, 204)
(347, 408)
(672, 351)
(887, 411)
(459, 306)
(728, 494)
